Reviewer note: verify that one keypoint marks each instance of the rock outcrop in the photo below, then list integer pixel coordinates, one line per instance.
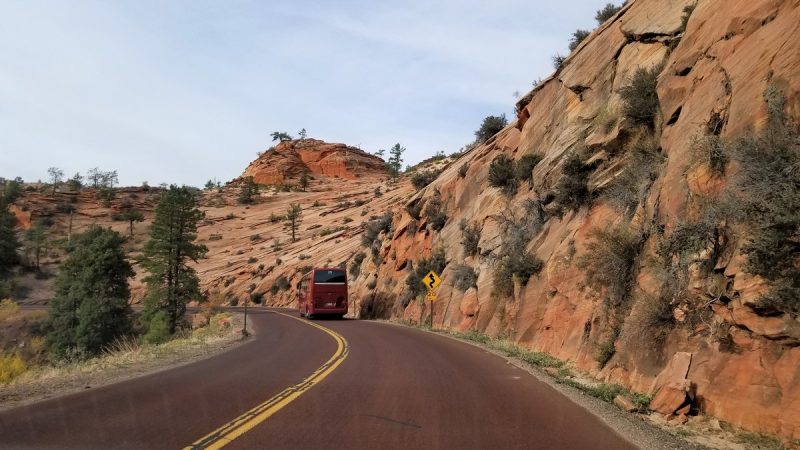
(714, 63)
(287, 161)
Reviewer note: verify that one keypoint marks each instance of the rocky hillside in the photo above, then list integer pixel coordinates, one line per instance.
(288, 160)
(615, 252)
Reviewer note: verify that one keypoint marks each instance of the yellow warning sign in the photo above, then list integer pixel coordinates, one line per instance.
(430, 297)
(431, 280)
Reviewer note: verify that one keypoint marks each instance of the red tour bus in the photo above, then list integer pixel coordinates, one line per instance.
(323, 291)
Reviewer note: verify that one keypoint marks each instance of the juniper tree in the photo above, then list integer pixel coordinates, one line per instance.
(490, 126)
(56, 176)
(90, 308)
(132, 215)
(171, 283)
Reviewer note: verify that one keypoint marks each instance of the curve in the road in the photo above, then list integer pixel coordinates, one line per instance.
(225, 434)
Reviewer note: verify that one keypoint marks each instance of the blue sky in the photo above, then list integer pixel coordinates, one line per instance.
(185, 91)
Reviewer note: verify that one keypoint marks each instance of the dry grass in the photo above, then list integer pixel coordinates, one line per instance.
(126, 356)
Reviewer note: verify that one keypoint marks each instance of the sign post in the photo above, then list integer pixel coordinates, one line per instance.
(431, 281)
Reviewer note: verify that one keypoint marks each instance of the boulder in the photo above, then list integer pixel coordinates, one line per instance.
(624, 403)
(673, 397)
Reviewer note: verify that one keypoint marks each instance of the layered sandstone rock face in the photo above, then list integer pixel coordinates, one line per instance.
(287, 161)
(736, 363)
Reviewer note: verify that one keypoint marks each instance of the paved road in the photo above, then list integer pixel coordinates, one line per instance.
(387, 387)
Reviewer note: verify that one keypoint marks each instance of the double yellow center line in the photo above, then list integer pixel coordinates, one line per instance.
(223, 435)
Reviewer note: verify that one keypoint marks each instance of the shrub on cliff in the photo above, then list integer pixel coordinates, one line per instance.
(355, 264)
(375, 227)
(422, 179)
(606, 13)
(639, 96)
(464, 277)
(609, 260)
(491, 125)
(578, 36)
(628, 189)
(435, 212)
(767, 188)
(470, 237)
(523, 171)
(572, 190)
(436, 263)
(513, 261)
(502, 174)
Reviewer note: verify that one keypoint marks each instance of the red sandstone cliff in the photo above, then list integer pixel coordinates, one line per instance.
(742, 364)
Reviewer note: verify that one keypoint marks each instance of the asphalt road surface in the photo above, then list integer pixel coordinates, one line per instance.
(357, 384)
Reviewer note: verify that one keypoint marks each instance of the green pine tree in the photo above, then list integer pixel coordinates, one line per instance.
(132, 215)
(8, 239)
(36, 242)
(293, 219)
(395, 163)
(304, 180)
(171, 283)
(247, 190)
(90, 308)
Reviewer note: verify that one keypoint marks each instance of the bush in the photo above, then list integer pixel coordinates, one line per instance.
(378, 192)
(651, 318)
(502, 174)
(436, 263)
(572, 190)
(355, 265)
(577, 37)
(11, 366)
(491, 125)
(628, 189)
(606, 13)
(464, 277)
(255, 237)
(282, 283)
(252, 260)
(375, 227)
(8, 309)
(414, 210)
(605, 352)
(712, 151)
(688, 10)
(639, 97)
(462, 171)
(435, 212)
(767, 190)
(558, 60)
(421, 179)
(524, 167)
(470, 237)
(372, 284)
(513, 261)
(412, 227)
(609, 260)
(157, 329)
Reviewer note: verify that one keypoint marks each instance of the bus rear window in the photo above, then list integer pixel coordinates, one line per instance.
(330, 276)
